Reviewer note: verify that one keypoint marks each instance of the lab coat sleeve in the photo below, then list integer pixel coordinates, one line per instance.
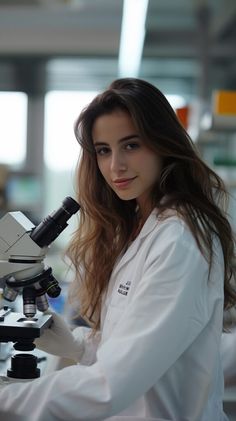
(88, 344)
(168, 310)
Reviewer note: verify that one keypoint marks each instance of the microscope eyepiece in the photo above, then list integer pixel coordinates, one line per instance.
(50, 228)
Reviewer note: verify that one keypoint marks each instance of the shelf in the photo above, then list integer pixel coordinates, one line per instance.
(224, 161)
(225, 122)
(216, 136)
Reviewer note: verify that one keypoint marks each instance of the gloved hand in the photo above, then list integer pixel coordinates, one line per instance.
(59, 340)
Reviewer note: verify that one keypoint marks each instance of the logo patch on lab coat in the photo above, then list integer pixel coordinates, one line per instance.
(123, 289)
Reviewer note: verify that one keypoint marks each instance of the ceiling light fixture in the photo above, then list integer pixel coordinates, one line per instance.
(132, 37)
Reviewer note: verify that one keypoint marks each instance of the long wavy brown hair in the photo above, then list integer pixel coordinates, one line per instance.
(107, 223)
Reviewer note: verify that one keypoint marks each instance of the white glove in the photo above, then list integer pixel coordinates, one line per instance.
(59, 340)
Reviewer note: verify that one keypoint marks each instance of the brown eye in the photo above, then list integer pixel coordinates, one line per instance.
(131, 146)
(103, 150)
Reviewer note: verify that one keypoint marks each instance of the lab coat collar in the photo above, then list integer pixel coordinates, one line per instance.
(148, 227)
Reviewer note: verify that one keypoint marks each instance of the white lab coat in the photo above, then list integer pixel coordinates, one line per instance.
(158, 354)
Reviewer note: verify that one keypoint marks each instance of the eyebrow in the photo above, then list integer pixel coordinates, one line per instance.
(123, 139)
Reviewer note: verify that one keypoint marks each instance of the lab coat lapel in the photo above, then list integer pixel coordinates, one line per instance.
(149, 225)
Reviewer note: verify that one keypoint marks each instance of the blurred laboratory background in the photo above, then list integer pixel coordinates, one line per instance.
(56, 55)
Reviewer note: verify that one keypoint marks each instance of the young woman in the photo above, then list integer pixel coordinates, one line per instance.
(153, 256)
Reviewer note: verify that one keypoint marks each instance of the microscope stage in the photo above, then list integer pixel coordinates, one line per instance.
(16, 326)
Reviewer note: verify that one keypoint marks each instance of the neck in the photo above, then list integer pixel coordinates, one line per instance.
(143, 213)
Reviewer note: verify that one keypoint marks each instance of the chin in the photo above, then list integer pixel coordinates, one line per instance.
(126, 197)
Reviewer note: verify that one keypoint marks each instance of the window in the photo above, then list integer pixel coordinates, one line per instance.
(13, 112)
(61, 110)
(61, 150)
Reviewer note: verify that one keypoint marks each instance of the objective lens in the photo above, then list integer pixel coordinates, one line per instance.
(51, 286)
(9, 294)
(29, 302)
(42, 302)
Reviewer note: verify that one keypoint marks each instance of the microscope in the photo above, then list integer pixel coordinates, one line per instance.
(23, 248)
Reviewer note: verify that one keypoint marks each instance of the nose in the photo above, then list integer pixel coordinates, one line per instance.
(118, 162)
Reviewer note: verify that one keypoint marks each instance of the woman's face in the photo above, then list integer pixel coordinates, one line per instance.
(126, 163)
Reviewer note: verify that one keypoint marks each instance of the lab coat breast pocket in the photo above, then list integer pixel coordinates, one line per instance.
(113, 316)
(116, 307)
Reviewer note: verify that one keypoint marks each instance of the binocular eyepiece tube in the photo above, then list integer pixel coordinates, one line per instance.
(50, 228)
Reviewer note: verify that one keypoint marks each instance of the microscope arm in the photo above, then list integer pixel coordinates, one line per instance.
(20, 256)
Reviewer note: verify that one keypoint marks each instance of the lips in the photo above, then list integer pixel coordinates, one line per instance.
(123, 182)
